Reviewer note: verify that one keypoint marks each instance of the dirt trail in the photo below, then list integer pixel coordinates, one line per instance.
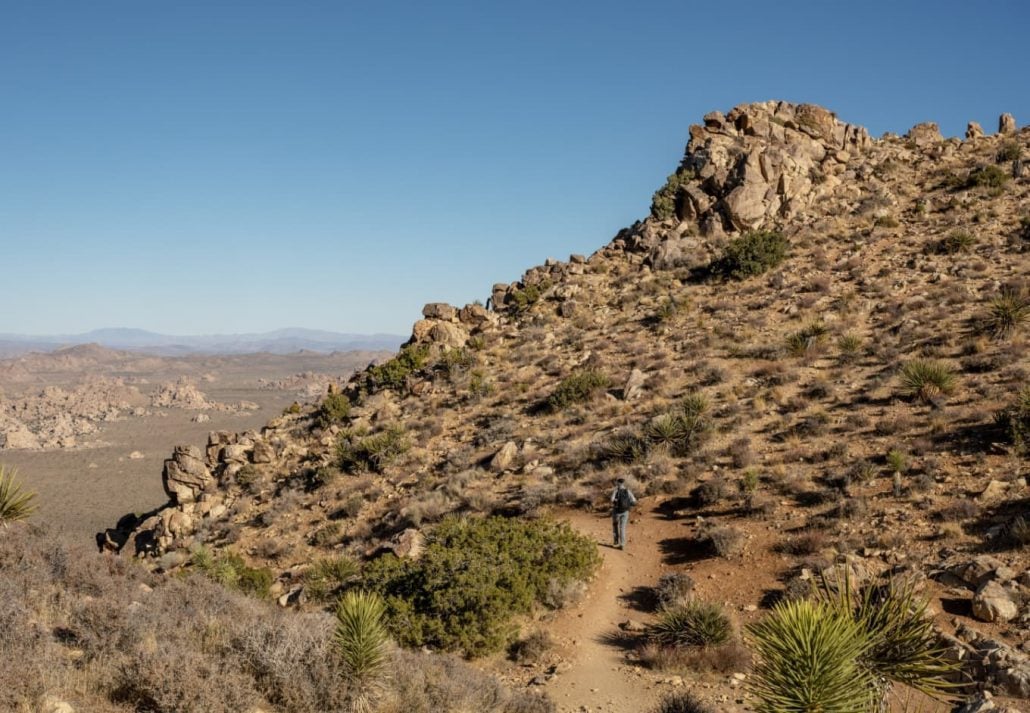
(600, 678)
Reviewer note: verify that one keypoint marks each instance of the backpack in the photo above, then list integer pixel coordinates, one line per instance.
(623, 500)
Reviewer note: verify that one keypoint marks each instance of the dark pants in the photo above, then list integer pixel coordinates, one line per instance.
(619, 522)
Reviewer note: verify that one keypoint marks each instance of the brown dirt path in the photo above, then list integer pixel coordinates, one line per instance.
(599, 677)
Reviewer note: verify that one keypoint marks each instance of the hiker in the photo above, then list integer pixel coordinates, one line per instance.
(622, 501)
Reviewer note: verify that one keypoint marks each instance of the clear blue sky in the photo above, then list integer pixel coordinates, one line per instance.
(214, 166)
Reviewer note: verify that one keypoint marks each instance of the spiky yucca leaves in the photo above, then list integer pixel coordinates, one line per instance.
(327, 575)
(694, 405)
(360, 637)
(666, 429)
(808, 661)
(692, 624)
(926, 380)
(15, 503)
(903, 646)
(1007, 312)
(625, 446)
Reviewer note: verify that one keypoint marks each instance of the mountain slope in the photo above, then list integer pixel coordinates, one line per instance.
(853, 311)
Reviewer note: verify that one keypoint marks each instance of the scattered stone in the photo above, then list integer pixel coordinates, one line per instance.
(504, 459)
(634, 388)
(135, 455)
(993, 602)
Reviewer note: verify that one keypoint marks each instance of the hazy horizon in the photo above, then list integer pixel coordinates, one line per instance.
(214, 169)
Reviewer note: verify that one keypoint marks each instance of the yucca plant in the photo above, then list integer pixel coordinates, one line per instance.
(903, 646)
(626, 447)
(806, 340)
(1007, 312)
(926, 380)
(360, 637)
(848, 346)
(328, 575)
(694, 405)
(666, 429)
(15, 503)
(809, 655)
(692, 624)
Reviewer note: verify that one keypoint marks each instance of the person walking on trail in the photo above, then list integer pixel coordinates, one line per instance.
(622, 501)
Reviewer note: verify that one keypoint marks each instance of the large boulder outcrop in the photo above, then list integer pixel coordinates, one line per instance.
(186, 475)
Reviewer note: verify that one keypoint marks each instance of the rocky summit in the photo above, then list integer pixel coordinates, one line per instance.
(810, 357)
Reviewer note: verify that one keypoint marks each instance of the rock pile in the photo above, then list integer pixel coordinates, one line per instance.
(184, 394)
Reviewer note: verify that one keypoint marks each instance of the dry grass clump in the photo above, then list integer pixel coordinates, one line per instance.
(77, 624)
(682, 703)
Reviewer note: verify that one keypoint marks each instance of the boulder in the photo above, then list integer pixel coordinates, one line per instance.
(264, 452)
(974, 130)
(448, 335)
(235, 453)
(439, 310)
(634, 387)
(1006, 124)
(504, 459)
(407, 544)
(185, 475)
(473, 315)
(925, 134)
(993, 602)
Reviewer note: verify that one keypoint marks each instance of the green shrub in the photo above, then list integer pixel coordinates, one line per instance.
(232, 572)
(663, 203)
(1015, 420)
(394, 373)
(987, 177)
(15, 503)
(327, 576)
(694, 623)
(335, 409)
(474, 576)
(926, 380)
(753, 253)
(528, 295)
(1010, 151)
(359, 451)
(579, 386)
(360, 637)
(1008, 311)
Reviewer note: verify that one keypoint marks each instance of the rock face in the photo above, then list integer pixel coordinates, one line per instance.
(185, 474)
(762, 161)
(974, 130)
(1006, 124)
(925, 134)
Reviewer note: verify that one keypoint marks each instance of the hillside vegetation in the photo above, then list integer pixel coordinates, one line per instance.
(813, 352)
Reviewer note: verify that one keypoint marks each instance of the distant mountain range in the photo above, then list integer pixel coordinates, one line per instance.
(280, 341)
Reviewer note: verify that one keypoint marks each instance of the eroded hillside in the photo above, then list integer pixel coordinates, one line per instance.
(812, 351)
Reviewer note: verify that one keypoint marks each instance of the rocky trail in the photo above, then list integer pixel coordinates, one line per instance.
(599, 676)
